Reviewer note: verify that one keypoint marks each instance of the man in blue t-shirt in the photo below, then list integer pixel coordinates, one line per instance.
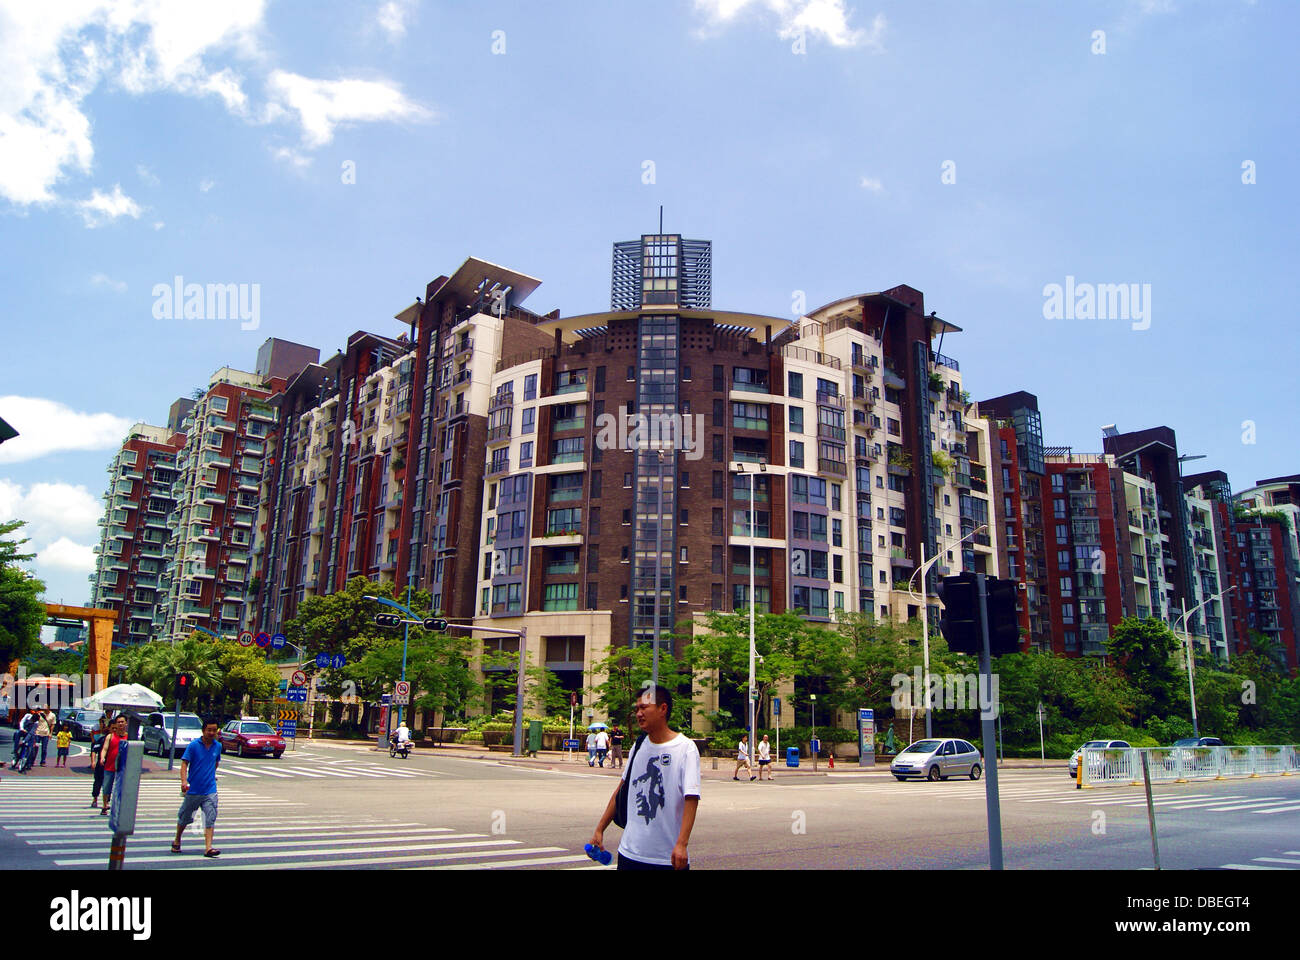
(199, 786)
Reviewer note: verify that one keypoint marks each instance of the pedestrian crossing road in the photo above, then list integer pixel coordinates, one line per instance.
(53, 819)
(316, 766)
(1290, 860)
(1030, 792)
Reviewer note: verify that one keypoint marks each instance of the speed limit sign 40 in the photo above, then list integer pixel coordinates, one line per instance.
(246, 639)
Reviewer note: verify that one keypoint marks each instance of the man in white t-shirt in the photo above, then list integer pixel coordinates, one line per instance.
(764, 758)
(602, 746)
(663, 776)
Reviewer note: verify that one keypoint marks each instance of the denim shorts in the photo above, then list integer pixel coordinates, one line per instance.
(109, 775)
(193, 802)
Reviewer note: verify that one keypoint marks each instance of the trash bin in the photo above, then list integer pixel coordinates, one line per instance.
(792, 757)
(534, 736)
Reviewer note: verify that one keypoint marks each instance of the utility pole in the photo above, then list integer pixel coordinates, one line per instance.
(986, 730)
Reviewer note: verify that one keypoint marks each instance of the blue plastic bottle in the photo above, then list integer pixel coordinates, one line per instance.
(601, 856)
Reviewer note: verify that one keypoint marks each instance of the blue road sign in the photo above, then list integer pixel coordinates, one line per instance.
(278, 641)
(263, 639)
(776, 706)
(385, 699)
(289, 728)
(571, 745)
(296, 694)
(338, 661)
(322, 659)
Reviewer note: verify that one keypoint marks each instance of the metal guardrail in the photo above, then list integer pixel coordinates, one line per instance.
(1109, 768)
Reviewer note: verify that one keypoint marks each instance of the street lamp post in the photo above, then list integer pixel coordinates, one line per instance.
(1187, 641)
(921, 571)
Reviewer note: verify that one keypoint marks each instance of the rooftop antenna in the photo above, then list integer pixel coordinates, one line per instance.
(661, 219)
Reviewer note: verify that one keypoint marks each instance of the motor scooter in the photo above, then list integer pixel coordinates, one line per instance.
(402, 749)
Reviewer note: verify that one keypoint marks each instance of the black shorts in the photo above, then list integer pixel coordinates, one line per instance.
(764, 763)
(627, 863)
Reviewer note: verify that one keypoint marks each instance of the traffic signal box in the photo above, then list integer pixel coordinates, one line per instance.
(436, 623)
(184, 682)
(961, 624)
(388, 620)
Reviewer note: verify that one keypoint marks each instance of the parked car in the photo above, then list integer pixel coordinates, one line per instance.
(157, 732)
(1190, 756)
(250, 738)
(1099, 765)
(938, 759)
(84, 723)
(1199, 742)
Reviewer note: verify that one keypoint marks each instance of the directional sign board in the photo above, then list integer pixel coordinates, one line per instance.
(322, 660)
(338, 661)
(296, 694)
(298, 679)
(278, 641)
(246, 639)
(263, 639)
(289, 729)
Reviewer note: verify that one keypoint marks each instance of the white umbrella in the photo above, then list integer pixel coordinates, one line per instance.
(125, 696)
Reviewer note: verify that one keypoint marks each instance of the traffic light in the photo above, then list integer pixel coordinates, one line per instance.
(387, 619)
(1004, 621)
(184, 681)
(960, 621)
(436, 623)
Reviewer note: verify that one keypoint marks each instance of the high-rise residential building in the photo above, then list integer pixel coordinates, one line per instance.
(135, 538)
(219, 475)
(523, 501)
(331, 496)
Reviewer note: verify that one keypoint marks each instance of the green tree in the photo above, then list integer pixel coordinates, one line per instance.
(627, 670)
(437, 668)
(22, 614)
(859, 659)
(344, 622)
(781, 641)
(1144, 653)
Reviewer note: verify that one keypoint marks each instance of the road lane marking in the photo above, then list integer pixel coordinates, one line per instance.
(500, 864)
(289, 853)
(265, 842)
(387, 861)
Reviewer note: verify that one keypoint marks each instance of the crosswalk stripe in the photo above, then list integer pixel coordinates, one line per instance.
(1245, 804)
(227, 771)
(388, 861)
(302, 773)
(500, 864)
(1288, 809)
(1275, 860)
(276, 845)
(1248, 866)
(250, 830)
(290, 853)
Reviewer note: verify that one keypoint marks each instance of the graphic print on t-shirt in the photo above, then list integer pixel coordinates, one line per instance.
(649, 788)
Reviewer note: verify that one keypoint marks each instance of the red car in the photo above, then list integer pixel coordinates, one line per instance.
(255, 738)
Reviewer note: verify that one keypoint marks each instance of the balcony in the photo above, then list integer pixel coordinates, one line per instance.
(572, 423)
(899, 558)
(201, 573)
(893, 380)
(260, 411)
(832, 466)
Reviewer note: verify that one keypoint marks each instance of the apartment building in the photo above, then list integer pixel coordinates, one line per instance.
(219, 473)
(331, 495)
(135, 537)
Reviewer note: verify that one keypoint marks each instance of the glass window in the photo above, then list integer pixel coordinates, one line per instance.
(796, 419)
(796, 453)
(794, 385)
(530, 387)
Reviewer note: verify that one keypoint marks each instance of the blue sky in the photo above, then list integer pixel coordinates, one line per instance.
(142, 139)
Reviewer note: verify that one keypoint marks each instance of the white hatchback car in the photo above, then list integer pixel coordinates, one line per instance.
(938, 759)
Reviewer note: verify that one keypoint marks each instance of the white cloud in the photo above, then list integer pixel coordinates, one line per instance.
(53, 511)
(205, 185)
(46, 426)
(393, 16)
(322, 105)
(828, 19)
(102, 208)
(873, 184)
(299, 161)
(147, 175)
(53, 56)
(159, 225)
(103, 280)
(66, 555)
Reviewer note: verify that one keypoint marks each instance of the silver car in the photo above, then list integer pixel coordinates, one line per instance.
(938, 759)
(157, 732)
(1097, 766)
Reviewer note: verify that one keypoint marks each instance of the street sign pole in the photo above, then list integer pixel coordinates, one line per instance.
(171, 748)
(519, 695)
(986, 729)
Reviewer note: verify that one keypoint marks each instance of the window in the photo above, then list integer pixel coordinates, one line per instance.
(719, 377)
(686, 372)
(1062, 533)
(837, 533)
(685, 517)
(798, 488)
(1063, 559)
(719, 522)
(530, 387)
(740, 523)
(817, 527)
(595, 485)
(796, 453)
(593, 588)
(1067, 587)
(749, 416)
(749, 379)
(716, 559)
(835, 496)
(762, 598)
(837, 568)
(686, 479)
(799, 528)
(570, 381)
(567, 520)
(627, 481)
(560, 596)
(526, 453)
(219, 404)
(1067, 613)
(568, 450)
(794, 385)
(719, 448)
(1058, 483)
(529, 417)
(719, 485)
(681, 592)
(827, 388)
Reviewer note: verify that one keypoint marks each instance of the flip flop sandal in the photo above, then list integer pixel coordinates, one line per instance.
(212, 853)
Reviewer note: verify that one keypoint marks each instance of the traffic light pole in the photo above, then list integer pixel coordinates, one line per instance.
(176, 722)
(986, 729)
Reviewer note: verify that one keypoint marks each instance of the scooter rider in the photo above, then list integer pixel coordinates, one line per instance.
(402, 737)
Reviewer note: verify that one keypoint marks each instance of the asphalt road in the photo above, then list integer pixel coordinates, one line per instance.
(327, 806)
